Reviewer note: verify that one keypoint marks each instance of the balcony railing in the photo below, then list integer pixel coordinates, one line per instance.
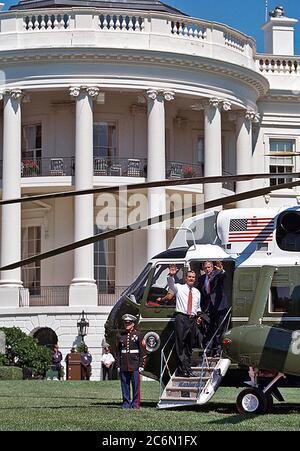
(47, 296)
(271, 64)
(179, 170)
(58, 296)
(110, 295)
(55, 27)
(110, 167)
(231, 186)
(47, 167)
(120, 167)
(65, 166)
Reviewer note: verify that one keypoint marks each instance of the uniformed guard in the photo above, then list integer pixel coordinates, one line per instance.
(130, 361)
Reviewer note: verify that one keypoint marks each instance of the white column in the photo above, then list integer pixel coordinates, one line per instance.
(83, 290)
(213, 146)
(11, 188)
(156, 166)
(244, 152)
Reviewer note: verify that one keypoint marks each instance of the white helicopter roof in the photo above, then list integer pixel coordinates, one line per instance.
(207, 252)
(245, 235)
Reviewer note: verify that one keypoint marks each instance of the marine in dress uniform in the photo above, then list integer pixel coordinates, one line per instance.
(130, 359)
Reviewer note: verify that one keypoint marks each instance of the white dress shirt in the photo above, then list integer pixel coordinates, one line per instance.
(182, 296)
(108, 358)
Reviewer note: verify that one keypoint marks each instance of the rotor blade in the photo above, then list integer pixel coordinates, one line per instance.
(151, 221)
(283, 154)
(146, 185)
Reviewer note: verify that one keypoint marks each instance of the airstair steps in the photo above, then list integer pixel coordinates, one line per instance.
(175, 399)
(197, 389)
(188, 379)
(183, 389)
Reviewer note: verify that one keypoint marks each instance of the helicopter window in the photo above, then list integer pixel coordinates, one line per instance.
(162, 272)
(285, 292)
(137, 288)
(159, 285)
(279, 299)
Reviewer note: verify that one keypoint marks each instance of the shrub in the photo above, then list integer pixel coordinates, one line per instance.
(3, 360)
(10, 373)
(81, 347)
(24, 351)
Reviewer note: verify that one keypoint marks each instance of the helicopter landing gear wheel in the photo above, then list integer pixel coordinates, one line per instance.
(252, 400)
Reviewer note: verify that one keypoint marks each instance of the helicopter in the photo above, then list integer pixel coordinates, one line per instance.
(259, 250)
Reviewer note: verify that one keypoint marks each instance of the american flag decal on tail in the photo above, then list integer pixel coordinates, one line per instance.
(254, 229)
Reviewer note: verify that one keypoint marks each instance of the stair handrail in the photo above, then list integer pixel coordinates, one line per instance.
(215, 333)
(205, 361)
(164, 363)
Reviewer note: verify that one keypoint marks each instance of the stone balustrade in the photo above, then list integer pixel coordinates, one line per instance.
(189, 29)
(234, 40)
(110, 22)
(42, 22)
(271, 64)
(220, 41)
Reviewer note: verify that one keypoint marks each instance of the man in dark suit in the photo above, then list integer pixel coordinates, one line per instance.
(85, 363)
(214, 303)
(56, 359)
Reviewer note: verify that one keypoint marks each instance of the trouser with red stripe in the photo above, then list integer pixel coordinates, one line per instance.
(130, 378)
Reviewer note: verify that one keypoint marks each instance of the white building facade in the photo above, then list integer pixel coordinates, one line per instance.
(100, 96)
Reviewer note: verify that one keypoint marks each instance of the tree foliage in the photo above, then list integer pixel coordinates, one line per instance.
(24, 351)
(81, 347)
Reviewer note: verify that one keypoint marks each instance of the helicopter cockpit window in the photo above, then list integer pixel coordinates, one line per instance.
(136, 290)
(159, 286)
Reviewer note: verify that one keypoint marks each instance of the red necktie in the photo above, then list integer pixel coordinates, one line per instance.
(190, 302)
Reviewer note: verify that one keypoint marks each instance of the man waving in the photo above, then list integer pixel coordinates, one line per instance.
(186, 318)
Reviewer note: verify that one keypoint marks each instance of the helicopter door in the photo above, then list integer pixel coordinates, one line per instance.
(152, 306)
(244, 287)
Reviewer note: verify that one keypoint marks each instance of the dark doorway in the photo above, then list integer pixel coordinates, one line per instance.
(46, 337)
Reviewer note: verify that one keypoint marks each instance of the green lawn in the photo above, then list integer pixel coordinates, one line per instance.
(95, 406)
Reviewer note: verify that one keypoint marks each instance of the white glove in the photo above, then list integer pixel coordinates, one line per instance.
(141, 369)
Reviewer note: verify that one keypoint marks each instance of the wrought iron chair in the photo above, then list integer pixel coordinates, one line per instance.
(57, 166)
(134, 168)
(176, 171)
(100, 166)
(115, 170)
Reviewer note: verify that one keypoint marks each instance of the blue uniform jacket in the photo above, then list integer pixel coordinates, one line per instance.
(131, 351)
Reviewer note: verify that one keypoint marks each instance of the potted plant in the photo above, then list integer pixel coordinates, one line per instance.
(30, 168)
(188, 172)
